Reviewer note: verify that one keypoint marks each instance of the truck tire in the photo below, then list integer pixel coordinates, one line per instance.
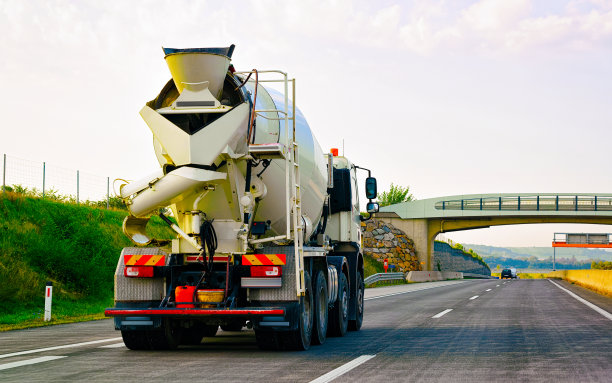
(300, 338)
(355, 325)
(338, 316)
(233, 326)
(167, 337)
(319, 332)
(135, 340)
(193, 336)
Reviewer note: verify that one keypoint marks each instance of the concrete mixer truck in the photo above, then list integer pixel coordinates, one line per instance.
(267, 224)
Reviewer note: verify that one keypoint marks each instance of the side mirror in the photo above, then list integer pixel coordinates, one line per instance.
(372, 207)
(370, 188)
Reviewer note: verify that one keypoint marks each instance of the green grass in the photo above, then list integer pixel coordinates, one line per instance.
(74, 246)
(371, 266)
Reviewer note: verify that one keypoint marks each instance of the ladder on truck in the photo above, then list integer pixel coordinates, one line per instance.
(289, 152)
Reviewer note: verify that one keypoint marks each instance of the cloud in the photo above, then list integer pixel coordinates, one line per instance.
(494, 15)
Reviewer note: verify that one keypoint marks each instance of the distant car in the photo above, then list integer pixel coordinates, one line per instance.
(508, 273)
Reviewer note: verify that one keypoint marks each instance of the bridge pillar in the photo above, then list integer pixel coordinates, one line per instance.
(421, 232)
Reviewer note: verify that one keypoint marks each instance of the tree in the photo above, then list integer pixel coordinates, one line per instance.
(396, 194)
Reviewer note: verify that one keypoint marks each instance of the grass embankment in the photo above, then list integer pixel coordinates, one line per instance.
(372, 266)
(75, 247)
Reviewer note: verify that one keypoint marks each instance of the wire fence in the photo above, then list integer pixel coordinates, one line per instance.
(54, 182)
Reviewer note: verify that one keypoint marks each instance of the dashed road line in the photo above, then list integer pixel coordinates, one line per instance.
(488, 290)
(28, 362)
(333, 374)
(596, 308)
(474, 297)
(59, 347)
(440, 314)
(496, 285)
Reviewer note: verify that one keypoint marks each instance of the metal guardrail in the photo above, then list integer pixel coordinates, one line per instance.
(383, 277)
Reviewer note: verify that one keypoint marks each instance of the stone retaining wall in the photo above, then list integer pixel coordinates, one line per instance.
(447, 258)
(382, 240)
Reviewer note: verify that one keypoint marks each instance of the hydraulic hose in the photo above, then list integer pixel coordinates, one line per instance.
(208, 236)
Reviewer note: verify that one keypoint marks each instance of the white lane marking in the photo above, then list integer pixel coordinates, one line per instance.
(333, 374)
(438, 315)
(488, 290)
(27, 362)
(411, 291)
(115, 345)
(496, 285)
(596, 308)
(474, 297)
(59, 347)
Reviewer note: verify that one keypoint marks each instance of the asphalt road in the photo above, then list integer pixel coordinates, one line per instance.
(472, 331)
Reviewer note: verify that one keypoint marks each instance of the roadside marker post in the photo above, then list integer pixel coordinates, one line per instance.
(386, 264)
(48, 298)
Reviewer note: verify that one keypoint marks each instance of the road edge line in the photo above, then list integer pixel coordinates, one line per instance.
(333, 374)
(411, 291)
(28, 362)
(591, 305)
(59, 347)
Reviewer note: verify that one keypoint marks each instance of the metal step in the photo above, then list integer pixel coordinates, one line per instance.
(268, 151)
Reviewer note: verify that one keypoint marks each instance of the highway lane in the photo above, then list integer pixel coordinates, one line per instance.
(526, 330)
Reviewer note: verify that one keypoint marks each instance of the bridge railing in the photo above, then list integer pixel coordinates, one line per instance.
(531, 203)
(383, 277)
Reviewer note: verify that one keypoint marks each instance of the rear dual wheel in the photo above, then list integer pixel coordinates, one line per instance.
(321, 316)
(193, 336)
(300, 338)
(338, 316)
(355, 325)
(167, 337)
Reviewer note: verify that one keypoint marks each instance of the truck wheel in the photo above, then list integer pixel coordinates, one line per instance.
(300, 339)
(135, 340)
(338, 317)
(233, 326)
(193, 336)
(355, 325)
(167, 337)
(319, 332)
(210, 330)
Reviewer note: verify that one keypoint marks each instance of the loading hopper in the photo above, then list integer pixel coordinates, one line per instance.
(199, 65)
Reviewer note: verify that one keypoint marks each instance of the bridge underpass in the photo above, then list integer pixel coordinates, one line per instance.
(423, 220)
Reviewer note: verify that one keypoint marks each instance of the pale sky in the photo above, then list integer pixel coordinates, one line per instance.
(448, 97)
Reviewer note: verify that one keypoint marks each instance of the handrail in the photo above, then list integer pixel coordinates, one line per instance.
(546, 202)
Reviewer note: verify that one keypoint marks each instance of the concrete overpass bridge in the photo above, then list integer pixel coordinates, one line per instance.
(423, 220)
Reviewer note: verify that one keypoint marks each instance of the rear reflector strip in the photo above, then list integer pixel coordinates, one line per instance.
(264, 259)
(144, 260)
(195, 312)
(138, 271)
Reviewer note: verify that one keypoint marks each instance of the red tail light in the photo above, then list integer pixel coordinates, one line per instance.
(266, 271)
(138, 271)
